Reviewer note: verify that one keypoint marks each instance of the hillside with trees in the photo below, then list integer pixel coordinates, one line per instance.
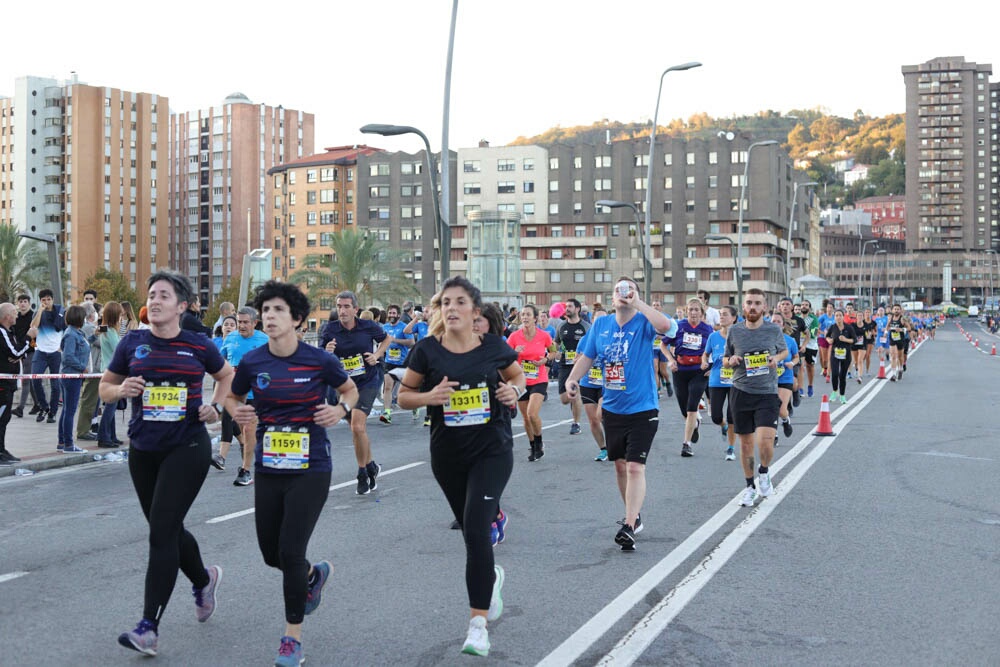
(815, 139)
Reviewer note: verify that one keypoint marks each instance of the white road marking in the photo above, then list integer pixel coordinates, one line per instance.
(952, 455)
(11, 575)
(342, 485)
(545, 428)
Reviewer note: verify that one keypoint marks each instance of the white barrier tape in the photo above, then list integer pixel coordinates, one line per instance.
(50, 376)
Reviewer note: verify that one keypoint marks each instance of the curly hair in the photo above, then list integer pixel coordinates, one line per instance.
(298, 303)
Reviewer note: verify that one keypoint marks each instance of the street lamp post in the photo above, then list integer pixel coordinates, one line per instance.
(444, 240)
(990, 253)
(791, 225)
(50, 241)
(649, 167)
(871, 278)
(864, 247)
(737, 267)
(781, 259)
(647, 265)
(743, 189)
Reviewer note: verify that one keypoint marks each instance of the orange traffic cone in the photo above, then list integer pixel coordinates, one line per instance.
(977, 342)
(881, 370)
(824, 427)
(993, 352)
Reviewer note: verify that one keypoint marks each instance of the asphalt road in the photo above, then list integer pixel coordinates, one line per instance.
(879, 547)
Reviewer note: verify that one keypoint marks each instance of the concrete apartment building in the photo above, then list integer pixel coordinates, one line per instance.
(221, 200)
(313, 197)
(82, 163)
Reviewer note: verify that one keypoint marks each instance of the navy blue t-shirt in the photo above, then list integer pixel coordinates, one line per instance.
(351, 346)
(173, 368)
(287, 391)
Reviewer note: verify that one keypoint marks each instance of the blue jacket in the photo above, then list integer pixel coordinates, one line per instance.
(75, 351)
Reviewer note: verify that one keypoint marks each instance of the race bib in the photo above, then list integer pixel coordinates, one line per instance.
(354, 366)
(614, 376)
(756, 363)
(530, 369)
(285, 449)
(570, 356)
(839, 353)
(164, 404)
(692, 341)
(395, 355)
(897, 335)
(726, 375)
(468, 407)
(595, 376)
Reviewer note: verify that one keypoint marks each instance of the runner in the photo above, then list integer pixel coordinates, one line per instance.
(720, 379)
(293, 466)
(898, 331)
(161, 370)
(395, 357)
(354, 342)
(684, 357)
(799, 332)
(468, 382)
(754, 349)
(881, 335)
(841, 337)
(786, 387)
(812, 346)
(229, 428)
(568, 337)
(622, 345)
(534, 348)
(591, 390)
(867, 332)
(233, 348)
(826, 320)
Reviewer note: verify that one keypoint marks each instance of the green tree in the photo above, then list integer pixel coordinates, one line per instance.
(23, 264)
(112, 286)
(359, 263)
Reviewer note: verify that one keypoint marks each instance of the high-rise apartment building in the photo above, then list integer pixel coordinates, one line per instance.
(82, 163)
(950, 154)
(221, 204)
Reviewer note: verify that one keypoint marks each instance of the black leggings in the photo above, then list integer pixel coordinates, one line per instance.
(838, 372)
(229, 427)
(719, 396)
(688, 387)
(467, 485)
(287, 509)
(167, 482)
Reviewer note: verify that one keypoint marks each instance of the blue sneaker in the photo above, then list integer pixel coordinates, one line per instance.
(290, 653)
(142, 639)
(204, 598)
(314, 597)
(810, 391)
(602, 455)
(497, 529)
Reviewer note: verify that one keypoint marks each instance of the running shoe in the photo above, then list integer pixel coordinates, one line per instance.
(7, 457)
(796, 398)
(289, 653)
(373, 469)
(904, 365)
(218, 462)
(694, 434)
(749, 496)
(5, 462)
(204, 598)
(625, 538)
(34, 410)
(51, 419)
(385, 417)
(764, 482)
(243, 478)
(496, 602)
(142, 639)
(833, 397)
(322, 571)
(802, 392)
(574, 428)
(72, 449)
(859, 379)
(40, 417)
(730, 454)
(363, 487)
(602, 455)
(477, 641)
(18, 412)
(427, 421)
(786, 428)
(638, 524)
(843, 399)
(701, 404)
(497, 530)
(686, 450)
(810, 392)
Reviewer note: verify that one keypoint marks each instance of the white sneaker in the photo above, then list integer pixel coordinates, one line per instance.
(496, 602)
(764, 482)
(749, 496)
(477, 642)
(730, 454)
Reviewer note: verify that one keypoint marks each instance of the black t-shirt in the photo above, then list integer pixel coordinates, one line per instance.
(796, 325)
(477, 371)
(836, 332)
(568, 336)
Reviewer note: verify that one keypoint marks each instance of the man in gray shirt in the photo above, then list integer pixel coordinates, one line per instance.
(754, 349)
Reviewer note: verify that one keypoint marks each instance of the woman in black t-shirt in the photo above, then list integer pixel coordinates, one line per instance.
(468, 383)
(841, 337)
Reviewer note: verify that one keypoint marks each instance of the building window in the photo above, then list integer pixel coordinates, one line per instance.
(668, 206)
(328, 196)
(689, 206)
(504, 164)
(556, 232)
(615, 230)
(690, 229)
(377, 191)
(328, 174)
(529, 187)
(311, 217)
(713, 157)
(506, 187)
(602, 161)
(578, 277)
(602, 184)
(472, 188)
(668, 160)
(640, 183)
(379, 169)
(471, 166)
(555, 277)
(577, 185)
(310, 197)
(529, 276)
(411, 190)
(310, 175)
(554, 163)
(556, 253)
(528, 164)
(553, 186)
(529, 209)
(328, 217)
(578, 162)
(579, 231)
(577, 208)
(713, 181)
(713, 205)
(291, 177)
(668, 183)
(553, 209)
(689, 182)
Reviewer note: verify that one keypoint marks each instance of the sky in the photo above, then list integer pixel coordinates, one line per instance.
(520, 66)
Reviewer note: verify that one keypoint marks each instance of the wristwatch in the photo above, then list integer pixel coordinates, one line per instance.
(218, 408)
(347, 408)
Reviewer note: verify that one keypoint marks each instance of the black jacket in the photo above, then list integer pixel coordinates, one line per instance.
(192, 322)
(11, 352)
(22, 325)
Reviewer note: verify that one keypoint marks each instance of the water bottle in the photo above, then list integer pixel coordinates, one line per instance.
(98, 457)
(23, 472)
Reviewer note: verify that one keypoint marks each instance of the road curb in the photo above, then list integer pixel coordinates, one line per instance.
(57, 461)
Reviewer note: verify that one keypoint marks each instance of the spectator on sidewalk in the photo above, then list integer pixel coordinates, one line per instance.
(75, 357)
(129, 322)
(108, 335)
(24, 316)
(46, 328)
(88, 395)
(11, 353)
(191, 318)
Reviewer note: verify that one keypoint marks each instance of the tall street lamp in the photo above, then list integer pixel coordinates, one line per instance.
(791, 226)
(990, 254)
(56, 277)
(743, 189)
(871, 278)
(652, 150)
(737, 267)
(444, 238)
(864, 246)
(647, 264)
(781, 259)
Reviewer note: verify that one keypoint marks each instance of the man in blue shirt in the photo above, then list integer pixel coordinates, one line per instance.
(354, 342)
(395, 357)
(238, 343)
(623, 346)
(46, 329)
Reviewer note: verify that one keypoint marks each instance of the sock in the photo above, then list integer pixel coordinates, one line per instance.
(750, 482)
(363, 471)
(154, 623)
(371, 467)
(784, 420)
(762, 470)
(388, 412)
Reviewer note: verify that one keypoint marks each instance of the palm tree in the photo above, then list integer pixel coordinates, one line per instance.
(23, 264)
(359, 263)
